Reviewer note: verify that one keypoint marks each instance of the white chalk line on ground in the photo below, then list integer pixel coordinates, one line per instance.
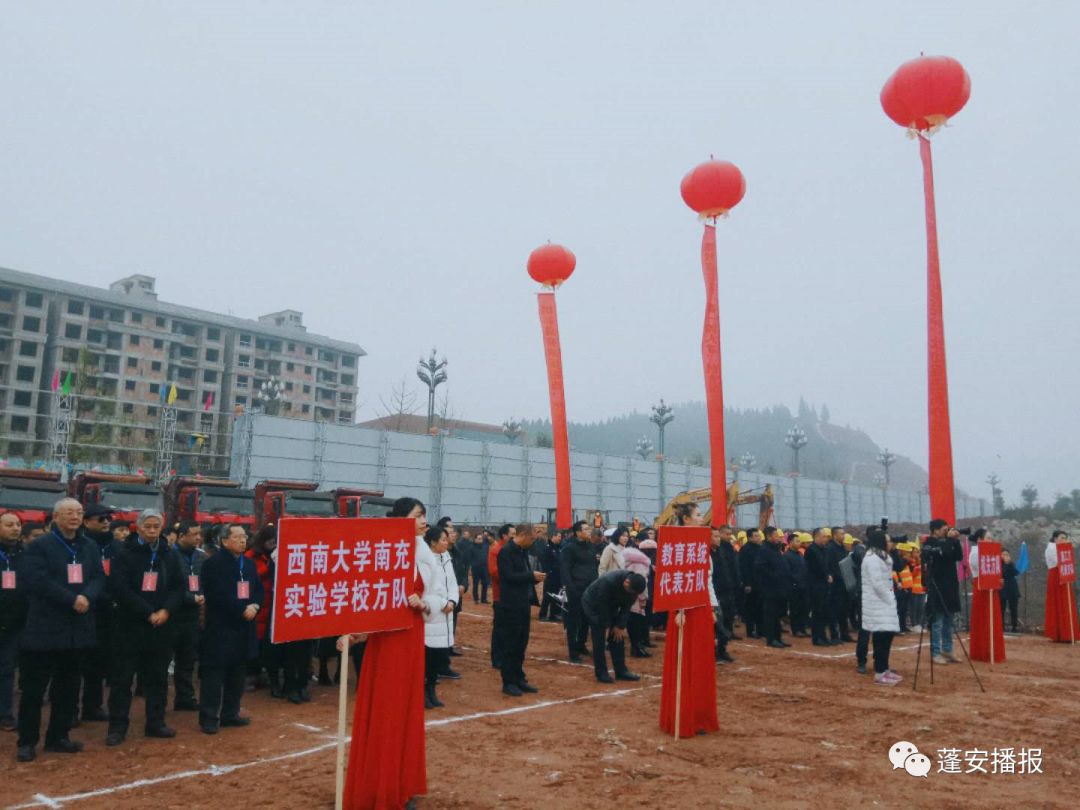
(41, 800)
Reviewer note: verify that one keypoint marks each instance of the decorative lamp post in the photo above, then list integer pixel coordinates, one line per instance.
(644, 447)
(512, 430)
(796, 440)
(432, 373)
(661, 416)
(886, 460)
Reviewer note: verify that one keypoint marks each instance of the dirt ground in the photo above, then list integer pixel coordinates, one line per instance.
(799, 729)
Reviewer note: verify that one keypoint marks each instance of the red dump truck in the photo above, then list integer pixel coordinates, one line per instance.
(30, 494)
(209, 501)
(276, 499)
(126, 495)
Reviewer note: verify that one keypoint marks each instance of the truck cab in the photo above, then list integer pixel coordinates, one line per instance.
(126, 495)
(30, 494)
(209, 501)
(277, 499)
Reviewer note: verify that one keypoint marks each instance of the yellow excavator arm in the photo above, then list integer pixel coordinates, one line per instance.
(735, 497)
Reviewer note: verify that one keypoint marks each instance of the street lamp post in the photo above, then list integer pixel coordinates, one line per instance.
(993, 480)
(796, 440)
(643, 447)
(661, 416)
(270, 395)
(886, 460)
(512, 430)
(432, 373)
(747, 461)
(882, 481)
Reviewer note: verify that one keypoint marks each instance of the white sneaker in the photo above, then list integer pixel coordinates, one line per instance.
(940, 659)
(893, 675)
(883, 679)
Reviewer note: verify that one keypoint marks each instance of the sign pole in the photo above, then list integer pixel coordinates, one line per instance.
(991, 604)
(680, 620)
(1072, 626)
(343, 699)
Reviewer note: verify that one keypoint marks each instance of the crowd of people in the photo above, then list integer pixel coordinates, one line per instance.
(95, 612)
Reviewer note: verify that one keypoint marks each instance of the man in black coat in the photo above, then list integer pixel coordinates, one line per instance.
(63, 580)
(606, 605)
(234, 595)
(517, 583)
(580, 568)
(12, 614)
(148, 588)
(186, 620)
(725, 580)
(478, 560)
(940, 554)
(839, 629)
(551, 562)
(96, 660)
(751, 592)
(820, 580)
(730, 555)
(773, 581)
(798, 602)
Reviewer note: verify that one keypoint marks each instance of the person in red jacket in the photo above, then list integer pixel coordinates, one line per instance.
(506, 534)
(260, 551)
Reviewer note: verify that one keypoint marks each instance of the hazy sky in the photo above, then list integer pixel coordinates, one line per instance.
(387, 167)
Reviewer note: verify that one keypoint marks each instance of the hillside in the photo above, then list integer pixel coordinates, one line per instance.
(832, 452)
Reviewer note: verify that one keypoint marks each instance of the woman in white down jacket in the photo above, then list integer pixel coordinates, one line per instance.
(879, 617)
(440, 595)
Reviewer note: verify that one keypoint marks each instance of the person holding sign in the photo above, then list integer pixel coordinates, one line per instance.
(63, 580)
(1061, 573)
(688, 690)
(387, 759)
(147, 586)
(233, 595)
(987, 633)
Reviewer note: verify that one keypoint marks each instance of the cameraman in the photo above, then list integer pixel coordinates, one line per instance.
(940, 554)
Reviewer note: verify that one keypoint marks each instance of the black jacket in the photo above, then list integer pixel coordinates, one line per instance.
(817, 565)
(606, 601)
(834, 553)
(133, 560)
(478, 554)
(579, 566)
(13, 601)
(1009, 584)
(771, 575)
(51, 620)
(724, 579)
(727, 549)
(941, 555)
(516, 580)
(552, 566)
(191, 563)
(800, 576)
(228, 638)
(748, 555)
(459, 559)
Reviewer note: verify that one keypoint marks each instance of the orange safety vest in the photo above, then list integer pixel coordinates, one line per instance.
(905, 579)
(916, 579)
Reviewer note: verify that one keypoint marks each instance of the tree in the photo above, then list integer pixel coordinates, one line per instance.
(1063, 504)
(1029, 495)
(1075, 495)
(543, 440)
(400, 404)
(824, 413)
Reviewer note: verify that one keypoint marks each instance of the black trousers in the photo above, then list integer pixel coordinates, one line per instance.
(151, 662)
(602, 642)
(862, 647)
(514, 631)
(819, 611)
(727, 609)
(480, 581)
(220, 689)
(295, 657)
(185, 651)
(902, 599)
(436, 659)
(577, 628)
(882, 645)
(798, 608)
(94, 668)
(496, 636)
(771, 611)
(57, 670)
(838, 610)
(637, 628)
(752, 613)
(1010, 600)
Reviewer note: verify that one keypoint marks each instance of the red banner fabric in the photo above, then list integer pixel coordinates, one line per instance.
(682, 568)
(342, 575)
(989, 578)
(942, 492)
(549, 325)
(1066, 563)
(714, 385)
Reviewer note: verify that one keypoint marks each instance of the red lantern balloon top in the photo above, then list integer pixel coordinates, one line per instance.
(713, 188)
(926, 92)
(551, 265)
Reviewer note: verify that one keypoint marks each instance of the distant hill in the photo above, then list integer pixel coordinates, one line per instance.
(832, 452)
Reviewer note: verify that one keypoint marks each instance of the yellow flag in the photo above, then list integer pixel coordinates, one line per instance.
(172, 395)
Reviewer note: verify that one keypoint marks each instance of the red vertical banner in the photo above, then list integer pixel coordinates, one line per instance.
(549, 325)
(342, 575)
(714, 386)
(990, 578)
(1066, 563)
(682, 568)
(942, 491)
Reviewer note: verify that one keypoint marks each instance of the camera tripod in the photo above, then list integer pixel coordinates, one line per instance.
(933, 591)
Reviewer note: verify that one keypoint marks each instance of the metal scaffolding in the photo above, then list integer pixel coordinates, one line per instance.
(60, 431)
(166, 445)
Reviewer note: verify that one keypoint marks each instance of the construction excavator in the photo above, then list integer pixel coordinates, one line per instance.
(735, 497)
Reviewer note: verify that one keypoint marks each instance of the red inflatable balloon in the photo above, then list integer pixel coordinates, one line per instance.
(551, 265)
(926, 92)
(713, 188)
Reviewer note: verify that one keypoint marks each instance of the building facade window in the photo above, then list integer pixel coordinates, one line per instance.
(23, 399)
(73, 331)
(133, 340)
(30, 324)
(34, 300)
(136, 317)
(27, 349)
(75, 307)
(133, 362)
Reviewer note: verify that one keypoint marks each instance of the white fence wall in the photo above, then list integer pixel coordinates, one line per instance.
(483, 482)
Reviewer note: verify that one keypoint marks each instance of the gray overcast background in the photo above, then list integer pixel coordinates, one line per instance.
(386, 168)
